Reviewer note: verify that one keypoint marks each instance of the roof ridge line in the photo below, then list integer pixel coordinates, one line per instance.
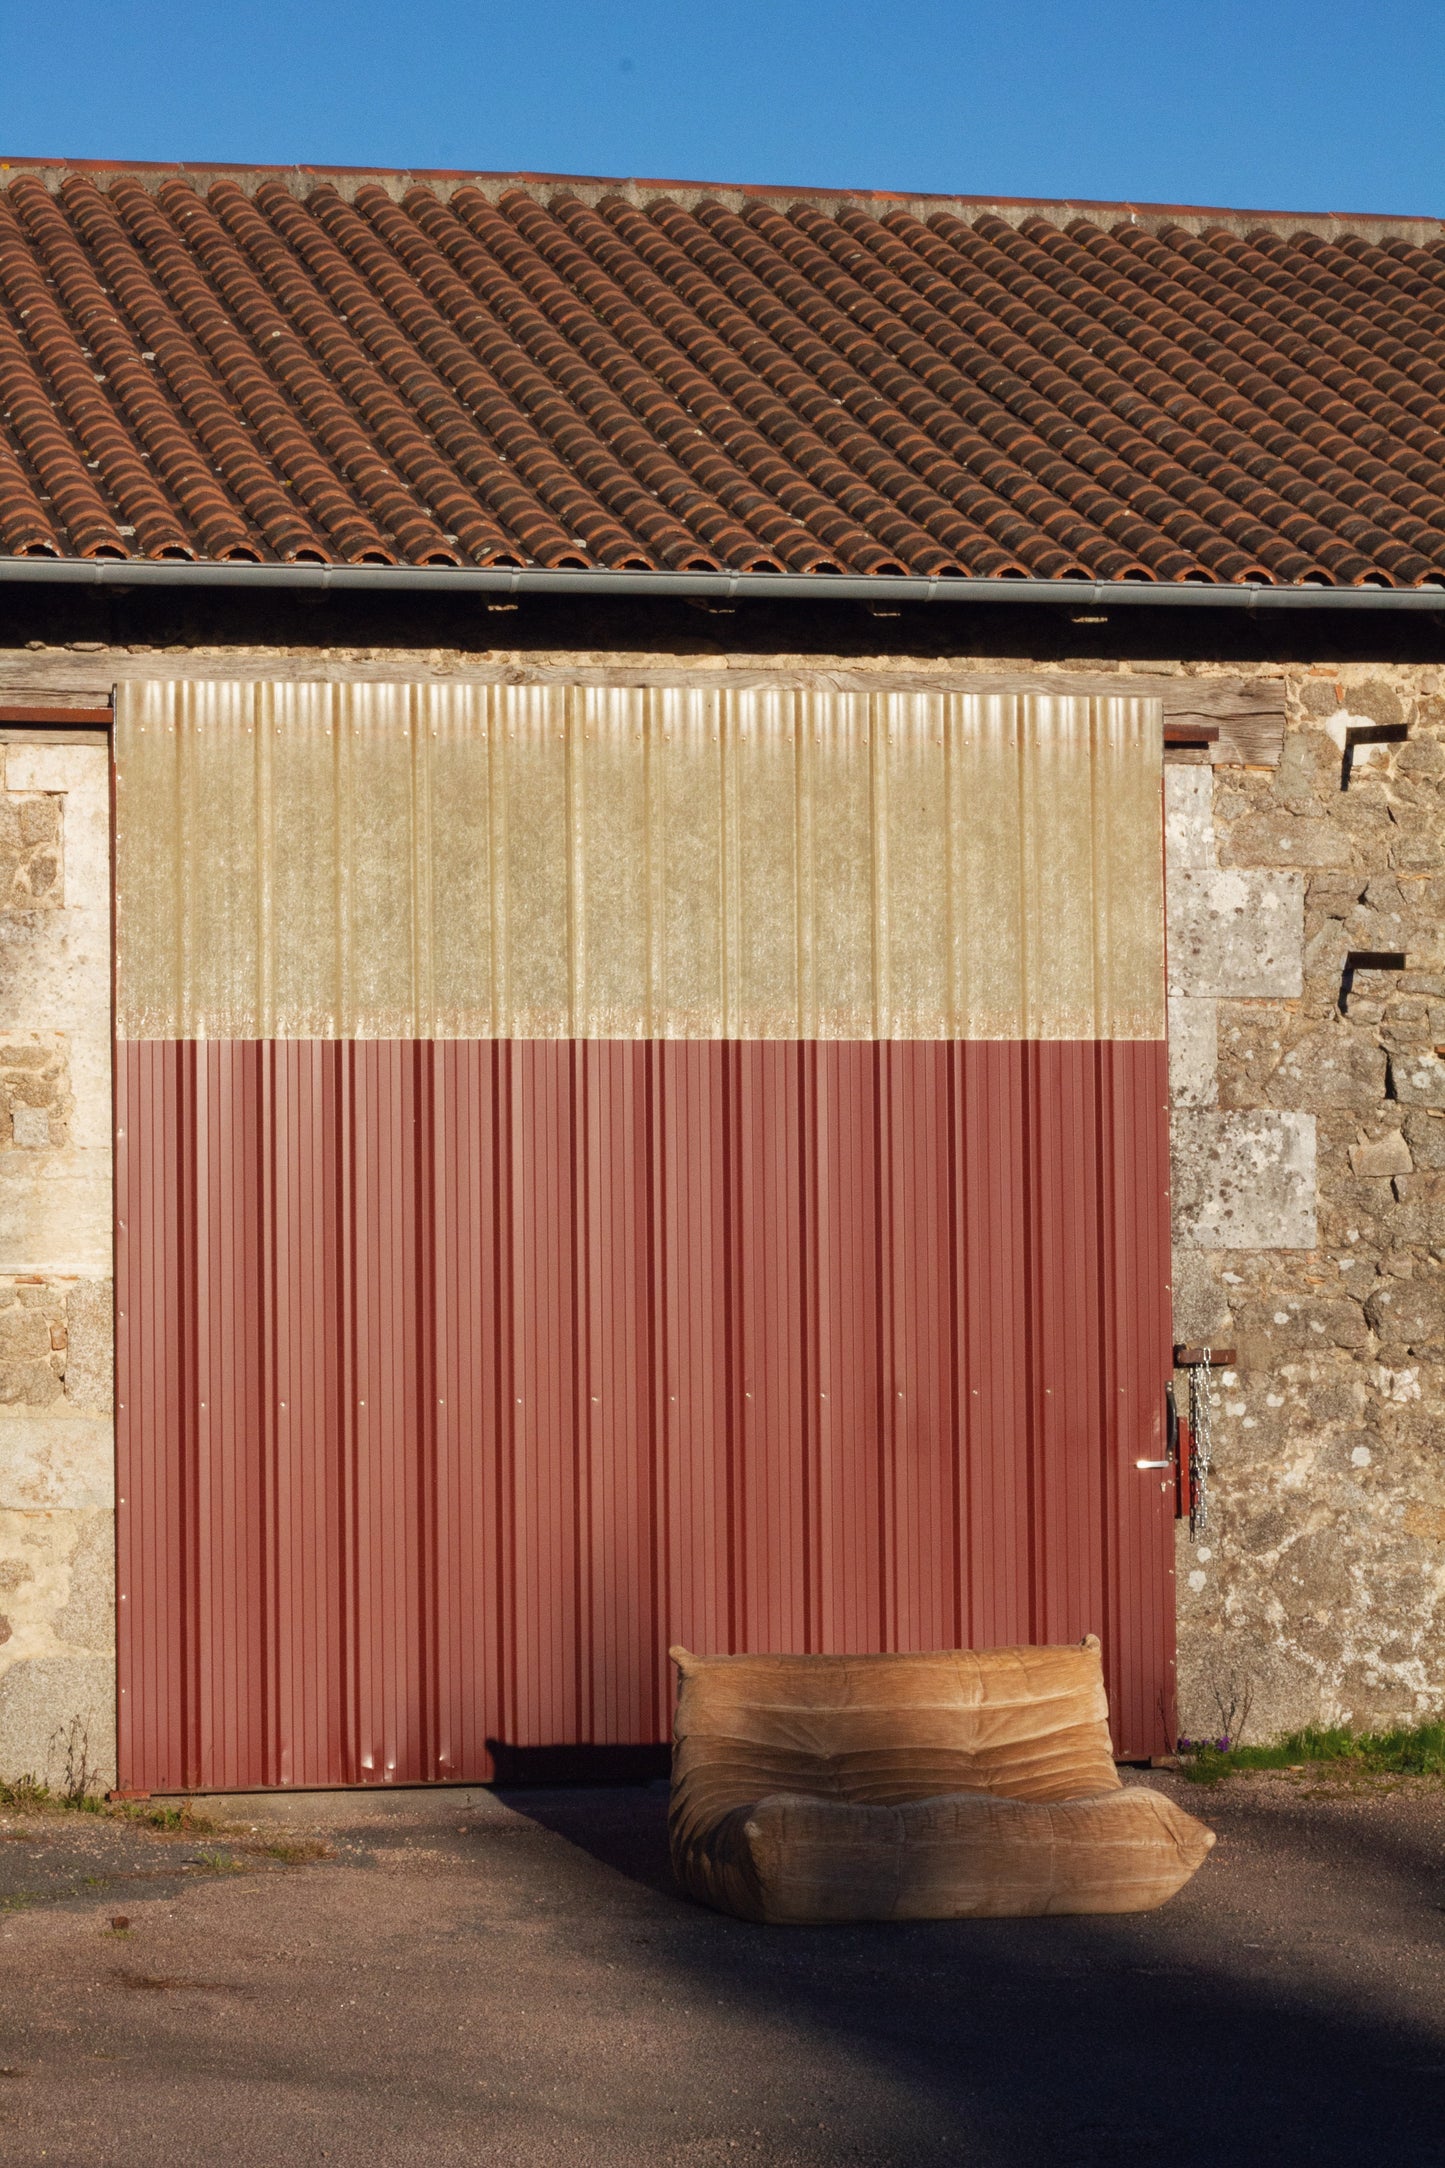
(1193, 217)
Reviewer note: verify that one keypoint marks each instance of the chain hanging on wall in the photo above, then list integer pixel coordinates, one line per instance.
(1201, 1444)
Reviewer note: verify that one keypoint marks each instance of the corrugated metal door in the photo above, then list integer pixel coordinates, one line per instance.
(599, 1169)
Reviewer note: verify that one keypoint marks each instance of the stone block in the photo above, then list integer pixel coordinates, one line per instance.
(49, 767)
(1236, 932)
(31, 1334)
(52, 1708)
(55, 971)
(1418, 853)
(1188, 817)
(86, 825)
(1418, 1217)
(31, 877)
(1369, 927)
(1381, 1156)
(1288, 839)
(1409, 1313)
(1325, 952)
(1193, 1050)
(90, 1354)
(1417, 1079)
(86, 1619)
(55, 1213)
(1202, 1315)
(1306, 759)
(1375, 701)
(37, 1551)
(24, 1330)
(91, 1110)
(30, 1128)
(1333, 1066)
(1335, 892)
(1280, 1324)
(1243, 1180)
(52, 1460)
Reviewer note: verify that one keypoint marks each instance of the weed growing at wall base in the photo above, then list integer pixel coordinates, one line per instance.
(1416, 1750)
(27, 1795)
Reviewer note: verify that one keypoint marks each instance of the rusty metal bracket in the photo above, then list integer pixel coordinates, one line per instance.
(1191, 734)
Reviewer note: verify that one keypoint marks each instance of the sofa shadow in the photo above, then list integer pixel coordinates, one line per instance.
(523, 1768)
(1211, 2030)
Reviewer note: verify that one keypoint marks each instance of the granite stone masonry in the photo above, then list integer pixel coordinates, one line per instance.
(30, 878)
(1316, 1593)
(57, 1608)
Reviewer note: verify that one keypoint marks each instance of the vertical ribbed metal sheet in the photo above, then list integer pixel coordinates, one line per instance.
(792, 1274)
(546, 862)
(459, 1379)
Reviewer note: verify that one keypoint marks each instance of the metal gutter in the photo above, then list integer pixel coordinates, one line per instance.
(126, 575)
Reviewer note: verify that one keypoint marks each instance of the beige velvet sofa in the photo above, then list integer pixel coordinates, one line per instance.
(967, 1784)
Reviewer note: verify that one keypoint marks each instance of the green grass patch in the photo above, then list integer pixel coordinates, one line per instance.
(1409, 1750)
(27, 1795)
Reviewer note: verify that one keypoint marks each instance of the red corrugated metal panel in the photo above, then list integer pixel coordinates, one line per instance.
(459, 1378)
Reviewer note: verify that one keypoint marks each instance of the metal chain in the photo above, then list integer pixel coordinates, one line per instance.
(1201, 1444)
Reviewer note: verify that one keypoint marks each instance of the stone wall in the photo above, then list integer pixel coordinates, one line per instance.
(1309, 1197)
(57, 1538)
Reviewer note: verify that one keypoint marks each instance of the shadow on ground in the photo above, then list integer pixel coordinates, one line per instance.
(1287, 2006)
(479, 1977)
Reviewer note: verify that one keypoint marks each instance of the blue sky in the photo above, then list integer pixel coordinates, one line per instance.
(1262, 104)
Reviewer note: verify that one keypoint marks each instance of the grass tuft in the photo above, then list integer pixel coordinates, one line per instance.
(27, 1795)
(1410, 1750)
(215, 1862)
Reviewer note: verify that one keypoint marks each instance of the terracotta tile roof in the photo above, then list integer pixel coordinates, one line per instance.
(354, 368)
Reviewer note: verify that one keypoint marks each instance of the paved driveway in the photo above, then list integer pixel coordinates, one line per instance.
(467, 1979)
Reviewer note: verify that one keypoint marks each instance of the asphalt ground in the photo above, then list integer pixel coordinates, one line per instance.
(473, 1978)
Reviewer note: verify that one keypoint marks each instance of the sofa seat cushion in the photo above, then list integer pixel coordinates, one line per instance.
(792, 1859)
